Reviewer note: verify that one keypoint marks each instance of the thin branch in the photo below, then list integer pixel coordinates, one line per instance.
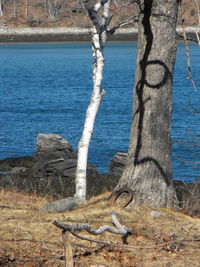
(129, 21)
(187, 50)
(190, 162)
(188, 56)
(188, 38)
(198, 27)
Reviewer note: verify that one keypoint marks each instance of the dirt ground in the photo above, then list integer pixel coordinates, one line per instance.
(29, 238)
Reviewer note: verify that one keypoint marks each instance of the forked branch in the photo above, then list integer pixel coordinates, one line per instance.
(118, 230)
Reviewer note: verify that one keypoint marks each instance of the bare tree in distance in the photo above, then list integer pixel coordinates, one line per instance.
(52, 8)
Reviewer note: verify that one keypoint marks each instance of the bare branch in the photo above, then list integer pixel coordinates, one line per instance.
(188, 38)
(188, 57)
(119, 230)
(129, 21)
(198, 27)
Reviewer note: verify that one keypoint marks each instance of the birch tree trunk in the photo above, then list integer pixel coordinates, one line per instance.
(2, 3)
(1, 8)
(148, 170)
(99, 37)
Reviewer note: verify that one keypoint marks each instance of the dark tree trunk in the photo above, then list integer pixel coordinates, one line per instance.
(148, 170)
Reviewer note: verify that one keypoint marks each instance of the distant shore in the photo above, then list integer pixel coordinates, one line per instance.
(13, 35)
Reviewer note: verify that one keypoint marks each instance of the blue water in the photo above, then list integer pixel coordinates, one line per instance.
(45, 88)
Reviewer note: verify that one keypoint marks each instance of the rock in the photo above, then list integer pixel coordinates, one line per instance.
(54, 166)
(52, 170)
(52, 147)
(66, 204)
(117, 164)
(155, 214)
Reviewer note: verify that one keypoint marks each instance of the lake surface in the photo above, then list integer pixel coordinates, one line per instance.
(45, 88)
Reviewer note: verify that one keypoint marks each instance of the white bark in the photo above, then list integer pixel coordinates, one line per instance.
(2, 3)
(98, 40)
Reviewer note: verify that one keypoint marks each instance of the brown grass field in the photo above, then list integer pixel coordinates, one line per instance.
(28, 238)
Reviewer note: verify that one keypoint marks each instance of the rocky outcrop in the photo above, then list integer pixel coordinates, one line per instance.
(52, 149)
(52, 170)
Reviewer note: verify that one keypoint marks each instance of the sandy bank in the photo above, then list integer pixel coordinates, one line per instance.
(8, 35)
(58, 35)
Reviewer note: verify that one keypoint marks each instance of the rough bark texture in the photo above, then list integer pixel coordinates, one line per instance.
(148, 170)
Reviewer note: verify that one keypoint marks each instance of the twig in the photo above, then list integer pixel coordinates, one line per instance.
(185, 238)
(187, 51)
(198, 27)
(188, 38)
(188, 57)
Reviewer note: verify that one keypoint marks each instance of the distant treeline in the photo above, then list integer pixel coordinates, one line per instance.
(70, 13)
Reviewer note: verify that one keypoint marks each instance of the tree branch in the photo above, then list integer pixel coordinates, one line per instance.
(119, 230)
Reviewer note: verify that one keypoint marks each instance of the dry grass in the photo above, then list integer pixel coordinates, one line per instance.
(28, 238)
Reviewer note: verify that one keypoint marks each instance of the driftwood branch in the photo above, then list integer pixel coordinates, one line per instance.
(118, 230)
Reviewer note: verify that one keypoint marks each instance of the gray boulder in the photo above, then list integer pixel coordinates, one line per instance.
(117, 164)
(66, 204)
(52, 147)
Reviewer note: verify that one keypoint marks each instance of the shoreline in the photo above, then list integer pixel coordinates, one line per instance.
(29, 35)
